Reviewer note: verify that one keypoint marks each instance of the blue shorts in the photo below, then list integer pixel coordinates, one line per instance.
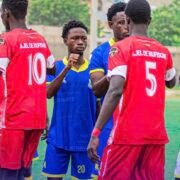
(57, 161)
(102, 144)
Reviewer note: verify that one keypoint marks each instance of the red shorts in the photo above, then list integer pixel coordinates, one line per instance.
(137, 162)
(17, 147)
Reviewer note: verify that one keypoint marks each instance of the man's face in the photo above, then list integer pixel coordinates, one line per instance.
(76, 40)
(119, 26)
(5, 18)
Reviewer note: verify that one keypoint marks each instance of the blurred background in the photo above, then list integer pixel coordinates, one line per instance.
(48, 17)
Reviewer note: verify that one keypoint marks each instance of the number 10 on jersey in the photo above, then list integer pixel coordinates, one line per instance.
(37, 75)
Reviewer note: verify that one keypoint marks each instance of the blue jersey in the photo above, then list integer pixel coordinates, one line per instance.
(74, 109)
(99, 62)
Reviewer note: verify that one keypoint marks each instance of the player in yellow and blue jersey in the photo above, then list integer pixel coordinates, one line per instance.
(74, 109)
(99, 62)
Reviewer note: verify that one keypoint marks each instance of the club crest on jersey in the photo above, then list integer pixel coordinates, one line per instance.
(2, 41)
(114, 51)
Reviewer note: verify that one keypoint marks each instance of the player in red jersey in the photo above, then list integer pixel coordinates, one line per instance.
(139, 68)
(24, 57)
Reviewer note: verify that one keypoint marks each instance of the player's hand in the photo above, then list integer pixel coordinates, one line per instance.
(92, 149)
(72, 60)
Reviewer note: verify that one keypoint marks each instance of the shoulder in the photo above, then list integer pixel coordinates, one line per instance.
(125, 42)
(59, 63)
(101, 48)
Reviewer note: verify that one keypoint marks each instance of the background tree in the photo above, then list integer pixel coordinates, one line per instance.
(165, 25)
(58, 12)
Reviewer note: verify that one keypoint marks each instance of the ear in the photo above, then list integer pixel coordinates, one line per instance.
(128, 20)
(149, 21)
(110, 23)
(6, 13)
(65, 40)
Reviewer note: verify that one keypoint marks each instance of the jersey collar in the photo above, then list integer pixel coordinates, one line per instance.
(83, 67)
(112, 41)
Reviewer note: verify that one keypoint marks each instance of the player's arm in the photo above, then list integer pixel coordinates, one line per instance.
(170, 77)
(171, 83)
(110, 102)
(54, 86)
(100, 83)
(51, 71)
(97, 74)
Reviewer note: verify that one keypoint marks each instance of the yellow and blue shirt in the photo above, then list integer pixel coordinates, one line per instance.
(74, 109)
(99, 63)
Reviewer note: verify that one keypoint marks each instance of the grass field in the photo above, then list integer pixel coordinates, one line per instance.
(173, 127)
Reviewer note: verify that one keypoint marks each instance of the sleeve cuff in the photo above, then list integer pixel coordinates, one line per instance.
(170, 74)
(50, 61)
(4, 63)
(118, 71)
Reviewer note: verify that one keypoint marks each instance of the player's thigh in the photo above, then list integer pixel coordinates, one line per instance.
(56, 161)
(81, 166)
(31, 143)
(118, 162)
(177, 169)
(11, 148)
(154, 161)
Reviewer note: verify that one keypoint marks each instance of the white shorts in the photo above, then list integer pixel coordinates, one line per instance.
(177, 169)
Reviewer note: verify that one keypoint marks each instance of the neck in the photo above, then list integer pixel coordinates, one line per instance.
(18, 24)
(139, 30)
(81, 60)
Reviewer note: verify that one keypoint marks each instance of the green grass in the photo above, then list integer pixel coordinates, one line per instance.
(173, 127)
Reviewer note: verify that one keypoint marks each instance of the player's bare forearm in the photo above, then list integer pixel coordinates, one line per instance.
(111, 100)
(53, 87)
(100, 84)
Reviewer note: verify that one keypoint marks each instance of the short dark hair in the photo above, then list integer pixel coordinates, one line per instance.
(139, 11)
(18, 8)
(115, 8)
(72, 24)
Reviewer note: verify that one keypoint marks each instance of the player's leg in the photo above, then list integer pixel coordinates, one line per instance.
(11, 152)
(56, 162)
(177, 169)
(6, 174)
(102, 144)
(81, 166)
(28, 171)
(118, 162)
(32, 140)
(151, 163)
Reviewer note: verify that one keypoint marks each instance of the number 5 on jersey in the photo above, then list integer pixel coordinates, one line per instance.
(151, 77)
(37, 69)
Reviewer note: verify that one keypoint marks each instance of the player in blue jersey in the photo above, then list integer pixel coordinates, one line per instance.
(99, 61)
(74, 109)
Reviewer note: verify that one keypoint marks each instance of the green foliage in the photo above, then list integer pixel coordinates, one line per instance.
(165, 25)
(58, 12)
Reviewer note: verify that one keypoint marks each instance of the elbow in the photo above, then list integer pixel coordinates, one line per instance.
(116, 94)
(97, 92)
(49, 95)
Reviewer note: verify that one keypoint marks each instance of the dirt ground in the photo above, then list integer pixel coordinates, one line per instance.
(173, 93)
